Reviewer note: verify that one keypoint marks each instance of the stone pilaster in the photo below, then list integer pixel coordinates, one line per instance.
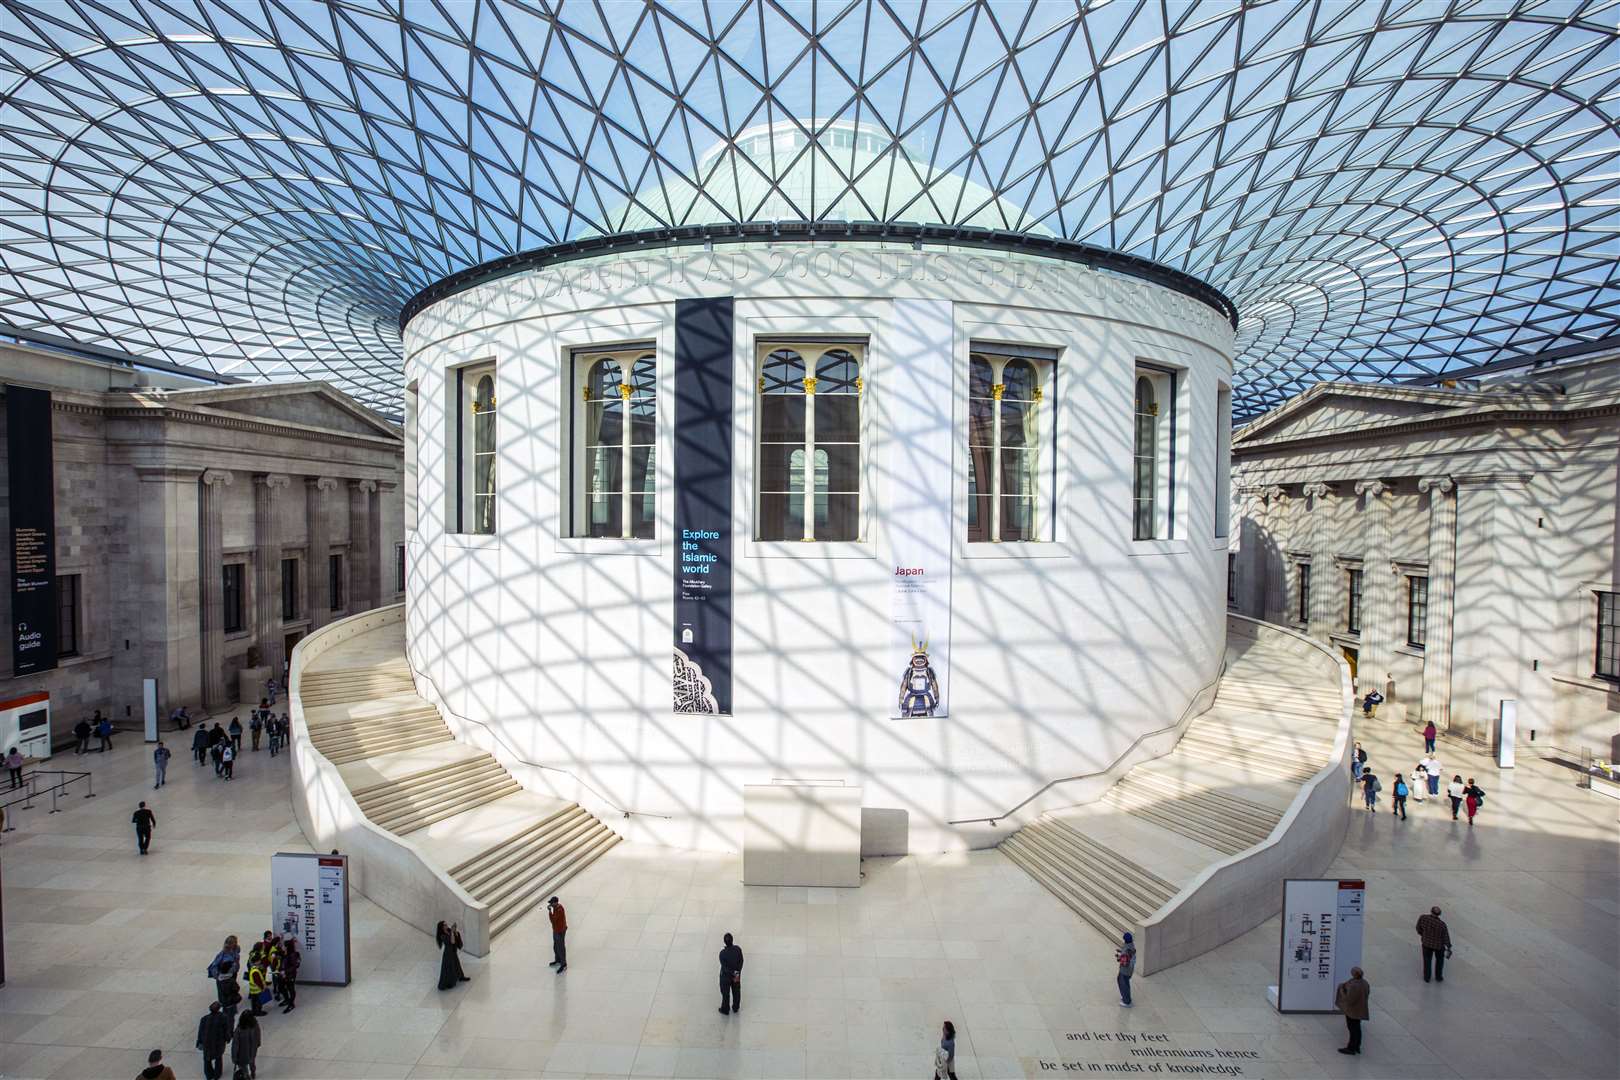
(1437, 657)
(1319, 619)
(320, 546)
(212, 570)
(166, 587)
(1271, 560)
(1379, 586)
(267, 570)
(363, 554)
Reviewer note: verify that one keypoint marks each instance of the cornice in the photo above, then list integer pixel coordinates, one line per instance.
(1486, 418)
(169, 413)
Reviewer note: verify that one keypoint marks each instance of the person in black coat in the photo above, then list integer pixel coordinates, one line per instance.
(731, 965)
(199, 743)
(213, 1036)
(450, 973)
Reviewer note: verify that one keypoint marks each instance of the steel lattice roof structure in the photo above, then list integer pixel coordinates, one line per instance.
(1388, 191)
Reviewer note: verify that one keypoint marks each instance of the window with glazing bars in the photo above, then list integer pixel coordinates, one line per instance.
(809, 443)
(1417, 609)
(615, 473)
(1352, 607)
(234, 601)
(1608, 636)
(67, 615)
(1009, 454)
(1302, 573)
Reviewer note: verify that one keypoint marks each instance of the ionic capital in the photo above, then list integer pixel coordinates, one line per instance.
(1318, 490)
(1371, 488)
(365, 487)
(217, 476)
(321, 483)
(1442, 484)
(272, 480)
(1272, 492)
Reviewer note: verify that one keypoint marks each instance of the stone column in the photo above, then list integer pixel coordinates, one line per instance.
(320, 546)
(1437, 634)
(267, 570)
(212, 562)
(1378, 587)
(363, 553)
(1319, 619)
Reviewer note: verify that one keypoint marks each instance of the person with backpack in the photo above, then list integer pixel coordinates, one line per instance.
(1473, 799)
(1398, 803)
(1370, 787)
(1455, 792)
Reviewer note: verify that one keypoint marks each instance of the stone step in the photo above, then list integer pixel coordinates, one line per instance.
(1212, 746)
(505, 915)
(525, 861)
(1185, 816)
(360, 753)
(1228, 806)
(448, 805)
(1109, 909)
(341, 734)
(388, 797)
(489, 867)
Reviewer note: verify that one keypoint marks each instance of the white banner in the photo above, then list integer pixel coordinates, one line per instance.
(917, 398)
(309, 898)
(1321, 941)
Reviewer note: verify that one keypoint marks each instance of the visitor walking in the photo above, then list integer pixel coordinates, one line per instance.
(160, 765)
(1370, 787)
(14, 763)
(1436, 938)
(81, 737)
(216, 743)
(245, 1046)
(236, 733)
(1431, 766)
(227, 759)
(213, 1036)
(291, 958)
(144, 820)
(103, 732)
(947, 1047)
(1125, 957)
(1429, 733)
(450, 973)
(1473, 798)
(1351, 999)
(1398, 803)
(199, 743)
(272, 730)
(559, 935)
(1455, 791)
(731, 967)
(155, 1069)
(256, 726)
(1355, 764)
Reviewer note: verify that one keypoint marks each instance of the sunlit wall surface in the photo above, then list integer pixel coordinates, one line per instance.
(1064, 642)
(1387, 190)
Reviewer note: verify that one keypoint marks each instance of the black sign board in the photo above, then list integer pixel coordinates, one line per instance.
(703, 359)
(32, 502)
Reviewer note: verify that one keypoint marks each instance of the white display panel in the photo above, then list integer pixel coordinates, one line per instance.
(802, 834)
(1507, 733)
(1321, 941)
(309, 897)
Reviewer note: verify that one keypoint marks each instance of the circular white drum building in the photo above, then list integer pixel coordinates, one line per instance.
(935, 513)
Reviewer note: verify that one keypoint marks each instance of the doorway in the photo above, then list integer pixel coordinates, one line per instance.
(287, 644)
(1350, 658)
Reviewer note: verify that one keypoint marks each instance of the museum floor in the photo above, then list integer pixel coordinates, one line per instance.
(105, 954)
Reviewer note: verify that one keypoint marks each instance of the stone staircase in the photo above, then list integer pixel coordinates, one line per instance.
(1222, 790)
(510, 849)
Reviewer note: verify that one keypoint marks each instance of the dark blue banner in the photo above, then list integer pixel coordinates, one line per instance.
(703, 359)
(32, 505)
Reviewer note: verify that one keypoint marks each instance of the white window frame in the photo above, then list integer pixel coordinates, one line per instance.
(811, 351)
(581, 359)
(998, 355)
(1168, 384)
(1223, 463)
(461, 388)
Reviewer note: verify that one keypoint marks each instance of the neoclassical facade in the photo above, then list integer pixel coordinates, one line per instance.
(1457, 543)
(199, 531)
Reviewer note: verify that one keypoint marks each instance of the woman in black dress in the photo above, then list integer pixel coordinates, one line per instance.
(450, 973)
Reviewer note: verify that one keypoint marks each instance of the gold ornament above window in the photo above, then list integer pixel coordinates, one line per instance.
(810, 385)
(997, 390)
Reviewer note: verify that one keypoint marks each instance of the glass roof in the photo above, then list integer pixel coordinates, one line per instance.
(1387, 190)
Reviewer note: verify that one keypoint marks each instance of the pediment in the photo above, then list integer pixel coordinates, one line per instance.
(1328, 407)
(317, 406)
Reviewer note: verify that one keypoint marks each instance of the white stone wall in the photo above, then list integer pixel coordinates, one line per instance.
(1061, 653)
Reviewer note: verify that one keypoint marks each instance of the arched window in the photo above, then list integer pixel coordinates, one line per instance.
(484, 455)
(1146, 459)
(470, 494)
(616, 480)
(1006, 456)
(809, 442)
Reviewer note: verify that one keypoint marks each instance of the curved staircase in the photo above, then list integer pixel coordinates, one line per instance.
(507, 847)
(1220, 792)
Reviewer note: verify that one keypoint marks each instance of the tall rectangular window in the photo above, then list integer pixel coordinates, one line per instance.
(613, 453)
(334, 582)
(1223, 461)
(67, 615)
(1153, 465)
(1608, 635)
(472, 434)
(1352, 607)
(1231, 577)
(399, 567)
(234, 600)
(1302, 575)
(1010, 445)
(1417, 609)
(289, 590)
(808, 455)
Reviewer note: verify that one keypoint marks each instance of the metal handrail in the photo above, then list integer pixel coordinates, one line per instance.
(1044, 788)
(31, 790)
(496, 735)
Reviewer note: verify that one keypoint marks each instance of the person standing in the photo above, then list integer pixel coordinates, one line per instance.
(227, 758)
(199, 743)
(236, 733)
(1436, 938)
(1473, 799)
(1420, 782)
(223, 971)
(731, 966)
(1355, 765)
(216, 743)
(1432, 767)
(947, 1044)
(256, 726)
(559, 935)
(291, 958)
(1370, 787)
(14, 763)
(155, 1069)
(1455, 791)
(81, 737)
(213, 1036)
(1429, 734)
(448, 936)
(1351, 999)
(1125, 957)
(144, 820)
(272, 731)
(1397, 804)
(245, 1046)
(103, 732)
(160, 765)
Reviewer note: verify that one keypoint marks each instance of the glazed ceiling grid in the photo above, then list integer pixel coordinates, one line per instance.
(1386, 190)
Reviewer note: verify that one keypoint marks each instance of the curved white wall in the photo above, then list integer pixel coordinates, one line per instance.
(1062, 653)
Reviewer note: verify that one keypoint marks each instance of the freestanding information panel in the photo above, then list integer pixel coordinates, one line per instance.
(1321, 941)
(309, 897)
